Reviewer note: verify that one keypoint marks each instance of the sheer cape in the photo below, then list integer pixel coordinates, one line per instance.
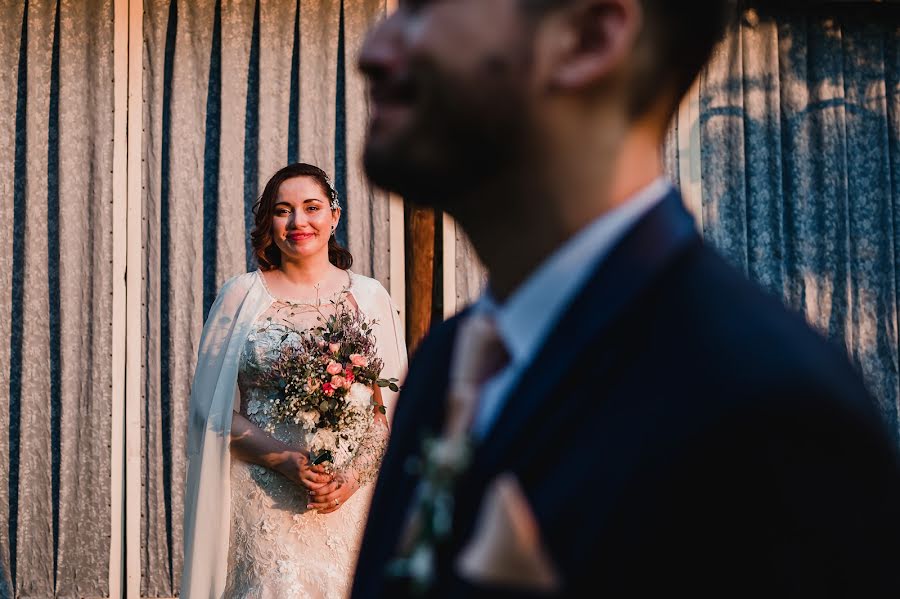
(215, 396)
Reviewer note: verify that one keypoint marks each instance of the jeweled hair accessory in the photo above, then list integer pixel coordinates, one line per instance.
(335, 203)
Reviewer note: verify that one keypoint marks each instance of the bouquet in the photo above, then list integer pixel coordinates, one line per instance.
(327, 377)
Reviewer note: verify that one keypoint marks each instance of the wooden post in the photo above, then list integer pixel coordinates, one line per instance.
(420, 275)
(134, 264)
(119, 289)
(448, 247)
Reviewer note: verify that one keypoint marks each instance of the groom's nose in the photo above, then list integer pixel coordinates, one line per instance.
(381, 51)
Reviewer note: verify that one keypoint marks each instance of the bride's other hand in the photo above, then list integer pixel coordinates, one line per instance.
(296, 467)
(251, 444)
(332, 496)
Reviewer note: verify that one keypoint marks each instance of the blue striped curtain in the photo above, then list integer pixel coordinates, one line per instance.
(56, 150)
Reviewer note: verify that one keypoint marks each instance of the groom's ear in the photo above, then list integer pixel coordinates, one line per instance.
(588, 42)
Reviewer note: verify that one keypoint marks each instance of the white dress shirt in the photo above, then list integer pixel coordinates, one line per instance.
(530, 313)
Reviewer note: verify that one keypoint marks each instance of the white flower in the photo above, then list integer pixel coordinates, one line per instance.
(323, 439)
(308, 419)
(359, 396)
(421, 563)
(447, 453)
(253, 406)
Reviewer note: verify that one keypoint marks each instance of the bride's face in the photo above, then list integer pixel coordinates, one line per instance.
(303, 219)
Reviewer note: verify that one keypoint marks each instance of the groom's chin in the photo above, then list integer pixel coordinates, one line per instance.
(399, 174)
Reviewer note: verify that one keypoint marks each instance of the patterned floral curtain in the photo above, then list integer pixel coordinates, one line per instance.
(800, 159)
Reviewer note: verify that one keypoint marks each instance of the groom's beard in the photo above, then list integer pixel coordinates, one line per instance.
(455, 141)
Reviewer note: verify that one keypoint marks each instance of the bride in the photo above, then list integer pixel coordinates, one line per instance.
(260, 520)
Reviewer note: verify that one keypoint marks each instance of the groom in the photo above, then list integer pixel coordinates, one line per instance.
(653, 423)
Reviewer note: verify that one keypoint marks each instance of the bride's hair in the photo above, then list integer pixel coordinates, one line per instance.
(267, 253)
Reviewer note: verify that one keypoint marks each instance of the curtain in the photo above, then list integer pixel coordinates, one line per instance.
(56, 142)
(800, 121)
(471, 276)
(233, 91)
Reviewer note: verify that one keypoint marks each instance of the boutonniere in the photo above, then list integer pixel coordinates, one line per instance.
(441, 463)
(477, 355)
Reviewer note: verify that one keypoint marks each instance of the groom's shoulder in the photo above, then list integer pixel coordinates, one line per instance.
(748, 332)
(725, 304)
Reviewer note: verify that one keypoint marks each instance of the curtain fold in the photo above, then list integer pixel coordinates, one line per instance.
(181, 258)
(10, 195)
(81, 270)
(35, 556)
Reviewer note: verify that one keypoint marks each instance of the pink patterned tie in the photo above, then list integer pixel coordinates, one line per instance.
(478, 354)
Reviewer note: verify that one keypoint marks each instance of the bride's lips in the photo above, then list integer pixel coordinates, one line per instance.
(295, 237)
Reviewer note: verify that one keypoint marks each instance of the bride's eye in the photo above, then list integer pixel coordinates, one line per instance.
(282, 212)
(312, 208)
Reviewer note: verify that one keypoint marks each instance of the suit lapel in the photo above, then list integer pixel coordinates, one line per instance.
(420, 411)
(629, 268)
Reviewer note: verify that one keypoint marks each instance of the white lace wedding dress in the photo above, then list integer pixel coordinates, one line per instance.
(278, 548)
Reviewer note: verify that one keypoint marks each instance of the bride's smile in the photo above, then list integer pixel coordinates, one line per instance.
(302, 221)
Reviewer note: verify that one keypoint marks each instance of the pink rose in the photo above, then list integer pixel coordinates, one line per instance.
(334, 368)
(328, 389)
(349, 376)
(337, 381)
(358, 360)
(312, 384)
(334, 347)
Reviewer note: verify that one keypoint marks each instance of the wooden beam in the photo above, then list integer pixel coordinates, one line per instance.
(134, 265)
(420, 282)
(448, 247)
(119, 338)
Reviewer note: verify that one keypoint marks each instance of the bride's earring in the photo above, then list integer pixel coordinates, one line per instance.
(332, 230)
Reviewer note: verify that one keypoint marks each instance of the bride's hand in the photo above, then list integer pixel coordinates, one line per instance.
(296, 467)
(331, 497)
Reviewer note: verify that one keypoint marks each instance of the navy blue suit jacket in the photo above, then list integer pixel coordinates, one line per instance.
(681, 432)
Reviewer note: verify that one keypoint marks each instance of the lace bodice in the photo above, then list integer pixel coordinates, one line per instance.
(278, 548)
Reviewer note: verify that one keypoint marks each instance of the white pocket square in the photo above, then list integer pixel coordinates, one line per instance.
(506, 548)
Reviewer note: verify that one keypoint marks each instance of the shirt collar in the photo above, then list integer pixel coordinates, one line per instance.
(529, 313)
